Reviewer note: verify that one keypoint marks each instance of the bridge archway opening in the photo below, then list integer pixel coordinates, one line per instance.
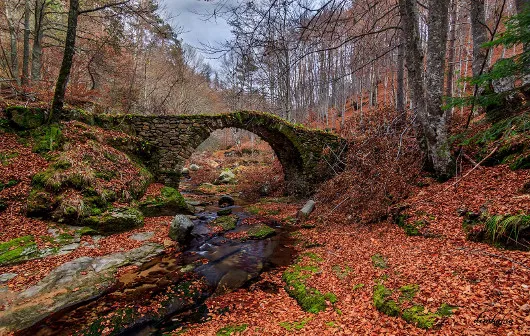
(261, 167)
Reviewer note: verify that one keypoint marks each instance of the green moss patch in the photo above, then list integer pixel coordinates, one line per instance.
(408, 292)
(379, 261)
(8, 184)
(383, 303)
(419, 316)
(18, 249)
(6, 157)
(225, 222)
(340, 271)
(47, 138)
(415, 314)
(310, 299)
(231, 329)
(296, 325)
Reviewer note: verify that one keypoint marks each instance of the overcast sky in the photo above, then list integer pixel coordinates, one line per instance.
(195, 29)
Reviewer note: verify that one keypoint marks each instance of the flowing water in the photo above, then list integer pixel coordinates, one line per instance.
(212, 264)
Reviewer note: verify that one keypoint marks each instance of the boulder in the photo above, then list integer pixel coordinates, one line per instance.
(116, 220)
(194, 167)
(168, 203)
(185, 171)
(265, 189)
(26, 118)
(226, 177)
(226, 201)
(306, 210)
(180, 229)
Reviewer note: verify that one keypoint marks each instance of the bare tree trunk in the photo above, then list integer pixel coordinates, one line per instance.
(36, 54)
(27, 32)
(426, 92)
(436, 127)
(66, 66)
(479, 33)
(400, 94)
(451, 50)
(13, 39)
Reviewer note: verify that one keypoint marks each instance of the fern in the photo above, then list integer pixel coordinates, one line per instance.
(492, 226)
(506, 226)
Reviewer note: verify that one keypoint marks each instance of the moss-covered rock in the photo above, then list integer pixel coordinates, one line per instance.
(47, 138)
(260, 231)
(26, 118)
(17, 250)
(167, 203)
(40, 203)
(115, 220)
(225, 222)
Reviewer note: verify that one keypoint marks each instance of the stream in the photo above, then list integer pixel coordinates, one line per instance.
(177, 284)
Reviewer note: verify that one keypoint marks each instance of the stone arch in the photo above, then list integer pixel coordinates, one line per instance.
(308, 156)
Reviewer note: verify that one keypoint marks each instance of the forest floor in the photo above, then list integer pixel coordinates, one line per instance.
(487, 286)
(490, 286)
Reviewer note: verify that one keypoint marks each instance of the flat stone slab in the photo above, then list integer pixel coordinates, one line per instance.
(7, 276)
(142, 236)
(68, 248)
(72, 282)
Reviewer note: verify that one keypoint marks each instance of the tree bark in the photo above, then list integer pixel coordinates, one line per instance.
(27, 32)
(436, 127)
(38, 34)
(479, 34)
(451, 50)
(66, 66)
(520, 4)
(13, 39)
(427, 91)
(400, 94)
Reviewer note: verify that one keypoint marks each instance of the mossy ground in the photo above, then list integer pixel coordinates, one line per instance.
(296, 325)
(310, 299)
(231, 329)
(85, 176)
(379, 261)
(511, 138)
(507, 231)
(415, 313)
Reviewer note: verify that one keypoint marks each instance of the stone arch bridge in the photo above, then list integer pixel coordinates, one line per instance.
(308, 156)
